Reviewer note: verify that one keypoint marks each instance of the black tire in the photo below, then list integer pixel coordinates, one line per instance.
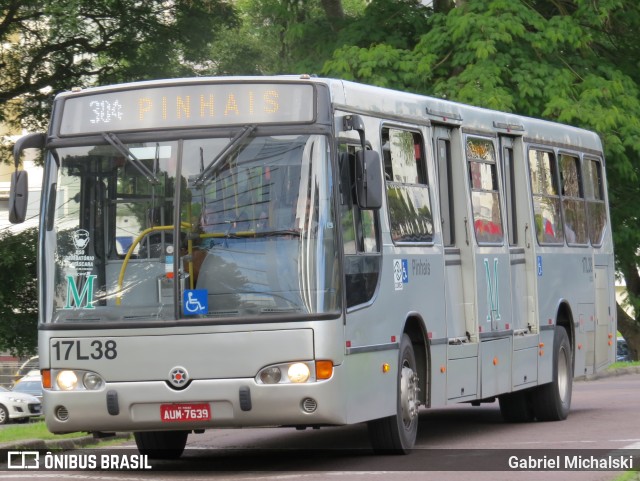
(4, 415)
(397, 434)
(552, 402)
(161, 444)
(516, 407)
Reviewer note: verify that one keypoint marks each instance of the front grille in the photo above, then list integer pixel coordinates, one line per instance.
(62, 413)
(309, 405)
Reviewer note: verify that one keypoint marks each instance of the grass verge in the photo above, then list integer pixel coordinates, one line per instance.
(628, 476)
(617, 365)
(32, 430)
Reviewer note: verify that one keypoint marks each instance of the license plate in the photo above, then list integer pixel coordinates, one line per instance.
(185, 412)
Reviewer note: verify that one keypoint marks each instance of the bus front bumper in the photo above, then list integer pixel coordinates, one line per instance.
(140, 406)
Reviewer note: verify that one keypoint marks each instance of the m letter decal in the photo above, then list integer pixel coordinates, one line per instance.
(80, 299)
(493, 297)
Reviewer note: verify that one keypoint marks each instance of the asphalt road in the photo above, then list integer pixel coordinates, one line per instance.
(461, 443)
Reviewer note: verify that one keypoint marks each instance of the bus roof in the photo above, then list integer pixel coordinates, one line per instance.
(393, 104)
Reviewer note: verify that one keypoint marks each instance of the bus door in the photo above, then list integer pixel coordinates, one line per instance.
(602, 269)
(487, 229)
(510, 171)
(525, 338)
(460, 284)
(454, 289)
(492, 263)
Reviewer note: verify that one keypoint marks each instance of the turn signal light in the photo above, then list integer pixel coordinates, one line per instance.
(46, 378)
(324, 369)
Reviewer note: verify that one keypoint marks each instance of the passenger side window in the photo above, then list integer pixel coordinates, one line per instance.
(445, 178)
(596, 208)
(410, 215)
(573, 205)
(546, 198)
(485, 196)
(509, 182)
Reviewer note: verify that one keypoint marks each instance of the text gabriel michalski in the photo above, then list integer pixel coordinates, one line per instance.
(584, 463)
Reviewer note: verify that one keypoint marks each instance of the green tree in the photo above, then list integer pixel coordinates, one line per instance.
(572, 61)
(49, 46)
(293, 34)
(18, 300)
(297, 36)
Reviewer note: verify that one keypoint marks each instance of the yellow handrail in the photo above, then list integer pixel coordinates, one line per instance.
(136, 241)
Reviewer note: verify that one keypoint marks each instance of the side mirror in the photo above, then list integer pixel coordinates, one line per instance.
(19, 194)
(18, 197)
(30, 141)
(368, 179)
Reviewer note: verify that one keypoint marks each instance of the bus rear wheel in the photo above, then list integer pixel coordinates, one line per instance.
(551, 402)
(397, 434)
(516, 407)
(161, 444)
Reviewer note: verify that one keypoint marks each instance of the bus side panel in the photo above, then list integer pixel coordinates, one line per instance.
(545, 355)
(371, 393)
(438, 372)
(584, 329)
(605, 326)
(462, 372)
(525, 362)
(496, 367)
(554, 290)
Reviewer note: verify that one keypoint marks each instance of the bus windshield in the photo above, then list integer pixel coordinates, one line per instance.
(195, 228)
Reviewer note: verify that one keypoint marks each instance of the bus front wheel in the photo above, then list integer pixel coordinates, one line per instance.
(397, 434)
(161, 444)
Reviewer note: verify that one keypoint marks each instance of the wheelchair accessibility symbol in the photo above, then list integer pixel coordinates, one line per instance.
(195, 301)
(400, 273)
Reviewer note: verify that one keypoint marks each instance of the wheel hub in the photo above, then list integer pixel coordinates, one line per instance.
(409, 395)
(563, 375)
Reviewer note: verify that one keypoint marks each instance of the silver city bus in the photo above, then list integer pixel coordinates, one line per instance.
(296, 251)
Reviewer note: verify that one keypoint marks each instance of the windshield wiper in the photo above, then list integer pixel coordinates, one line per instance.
(120, 147)
(251, 233)
(275, 233)
(233, 146)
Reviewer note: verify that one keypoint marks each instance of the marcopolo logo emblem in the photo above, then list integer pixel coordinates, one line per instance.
(178, 376)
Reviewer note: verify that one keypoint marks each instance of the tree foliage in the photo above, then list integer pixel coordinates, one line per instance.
(51, 46)
(18, 303)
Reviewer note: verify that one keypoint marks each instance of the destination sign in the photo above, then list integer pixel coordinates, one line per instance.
(184, 106)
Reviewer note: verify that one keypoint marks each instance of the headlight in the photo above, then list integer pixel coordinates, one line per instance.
(287, 373)
(92, 381)
(67, 380)
(17, 400)
(298, 373)
(76, 380)
(271, 375)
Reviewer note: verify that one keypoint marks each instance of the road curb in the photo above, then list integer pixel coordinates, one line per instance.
(62, 444)
(620, 371)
